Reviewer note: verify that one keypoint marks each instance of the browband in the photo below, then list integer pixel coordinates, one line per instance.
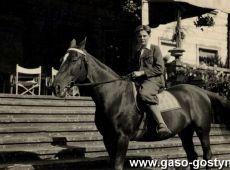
(77, 50)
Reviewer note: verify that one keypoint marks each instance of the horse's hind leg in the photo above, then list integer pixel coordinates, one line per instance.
(205, 143)
(186, 137)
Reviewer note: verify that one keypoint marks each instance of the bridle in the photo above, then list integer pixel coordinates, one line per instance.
(73, 83)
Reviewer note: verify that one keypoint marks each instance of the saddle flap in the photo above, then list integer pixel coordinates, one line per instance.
(167, 101)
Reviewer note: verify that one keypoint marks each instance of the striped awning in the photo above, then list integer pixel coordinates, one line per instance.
(165, 11)
(223, 5)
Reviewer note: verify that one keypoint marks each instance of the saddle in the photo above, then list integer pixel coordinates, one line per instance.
(167, 101)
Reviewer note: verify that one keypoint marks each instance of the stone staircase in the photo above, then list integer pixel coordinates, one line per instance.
(45, 130)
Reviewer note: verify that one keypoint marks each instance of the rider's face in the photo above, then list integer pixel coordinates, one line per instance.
(143, 38)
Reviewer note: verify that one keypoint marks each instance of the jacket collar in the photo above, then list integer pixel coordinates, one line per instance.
(148, 46)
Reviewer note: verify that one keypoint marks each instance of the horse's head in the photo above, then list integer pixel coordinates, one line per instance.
(73, 68)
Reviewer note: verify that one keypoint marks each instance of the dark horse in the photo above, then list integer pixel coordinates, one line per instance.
(117, 116)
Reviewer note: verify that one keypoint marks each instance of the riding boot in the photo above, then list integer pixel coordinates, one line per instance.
(162, 128)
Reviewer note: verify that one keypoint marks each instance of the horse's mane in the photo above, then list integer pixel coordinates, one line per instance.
(103, 66)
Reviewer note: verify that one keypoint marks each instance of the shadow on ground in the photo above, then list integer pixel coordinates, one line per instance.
(66, 159)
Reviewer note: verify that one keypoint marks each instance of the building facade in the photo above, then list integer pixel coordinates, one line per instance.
(201, 44)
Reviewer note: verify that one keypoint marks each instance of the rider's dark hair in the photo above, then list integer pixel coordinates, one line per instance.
(143, 27)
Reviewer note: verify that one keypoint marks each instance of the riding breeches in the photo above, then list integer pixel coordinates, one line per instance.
(147, 91)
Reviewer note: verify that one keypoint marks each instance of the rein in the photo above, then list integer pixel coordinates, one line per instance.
(126, 77)
(72, 83)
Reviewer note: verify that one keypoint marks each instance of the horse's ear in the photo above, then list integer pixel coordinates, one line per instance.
(82, 43)
(73, 43)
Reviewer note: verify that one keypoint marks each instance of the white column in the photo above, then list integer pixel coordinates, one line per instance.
(145, 12)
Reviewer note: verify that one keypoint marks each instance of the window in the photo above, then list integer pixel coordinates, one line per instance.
(209, 57)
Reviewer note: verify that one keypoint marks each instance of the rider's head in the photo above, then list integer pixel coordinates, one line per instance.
(143, 34)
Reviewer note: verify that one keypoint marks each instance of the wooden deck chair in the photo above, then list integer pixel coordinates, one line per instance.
(53, 74)
(27, 81)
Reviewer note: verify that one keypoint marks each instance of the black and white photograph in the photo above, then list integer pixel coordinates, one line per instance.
(115, 85)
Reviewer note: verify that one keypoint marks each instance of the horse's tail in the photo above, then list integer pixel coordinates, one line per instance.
(220, 108)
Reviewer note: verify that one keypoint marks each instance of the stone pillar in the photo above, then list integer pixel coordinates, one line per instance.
(178, 51)
(145, 12)
(176, 68)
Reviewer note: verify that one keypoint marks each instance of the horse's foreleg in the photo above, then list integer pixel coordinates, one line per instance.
(117, 148)
(109, 145)
(121, 150)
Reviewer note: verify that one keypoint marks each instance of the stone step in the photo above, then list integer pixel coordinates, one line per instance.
(11, 110)
(34, 127)
(169, 143)
(99, 163)
(167, 153)
(47, 102)
(96, 148)
(28, 100)
(47, 127)
(43, 97)
(71, 164)
(48, 137)
(55, 142)
(17, 125)
(50, 153)
(43, 152)
(52, 118)
(70, 131)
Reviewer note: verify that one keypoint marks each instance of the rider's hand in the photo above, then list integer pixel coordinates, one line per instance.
(137, 74)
